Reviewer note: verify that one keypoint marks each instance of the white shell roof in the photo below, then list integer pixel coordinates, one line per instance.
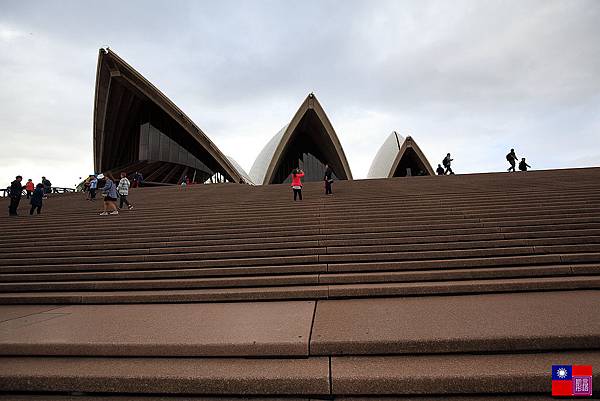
(385, 157)
(261, 164)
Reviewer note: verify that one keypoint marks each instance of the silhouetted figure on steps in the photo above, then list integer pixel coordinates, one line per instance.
(523, 165)
(512, 159)
(16, 190)
(440, 170)
(328, 178)
(446, 162)
(37, 199)
(47, 187)
(297, 174)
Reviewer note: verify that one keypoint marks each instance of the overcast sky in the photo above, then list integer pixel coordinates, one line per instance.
(473, 78)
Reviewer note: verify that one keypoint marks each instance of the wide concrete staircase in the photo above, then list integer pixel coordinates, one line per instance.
(457, 287)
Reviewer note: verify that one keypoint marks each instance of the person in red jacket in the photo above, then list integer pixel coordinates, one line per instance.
(29, 187)
(297, 174)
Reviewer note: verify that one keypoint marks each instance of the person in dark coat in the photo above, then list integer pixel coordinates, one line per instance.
(512, 159)
(446, 162)
(523, 165)
(328, 178)
(440, 170)
(47, 186)
(36, 199)
(16, 190)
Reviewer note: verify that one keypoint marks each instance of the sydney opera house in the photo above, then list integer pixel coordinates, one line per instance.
(138, 129)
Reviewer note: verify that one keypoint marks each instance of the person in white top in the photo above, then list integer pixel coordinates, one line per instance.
(123, 189)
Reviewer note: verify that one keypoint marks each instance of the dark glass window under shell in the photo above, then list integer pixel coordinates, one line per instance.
(140, 135)
(410, 164)
(310, 148)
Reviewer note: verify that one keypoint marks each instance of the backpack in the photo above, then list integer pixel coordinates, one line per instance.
(445, 162)
(509, 157)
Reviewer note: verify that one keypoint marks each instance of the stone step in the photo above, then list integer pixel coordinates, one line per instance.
(452, 374)
(257, 329)
(165, 284)
(309, 292)
(320, 269)
(456, 274)
(476, 375)
(530, 321)
(172, 273)
(294, 235)
(38, 255)
(140, 224)
(173, 264)
(210, 376)
(493, 238)
(463, 287)
(168, 296)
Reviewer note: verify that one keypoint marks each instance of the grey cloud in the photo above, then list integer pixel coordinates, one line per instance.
(471, 77)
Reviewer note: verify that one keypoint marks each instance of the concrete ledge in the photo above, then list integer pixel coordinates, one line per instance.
(223, 376)
(452, 374)
(449, 324)
(218, 329)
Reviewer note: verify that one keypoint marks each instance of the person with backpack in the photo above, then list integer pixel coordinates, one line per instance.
(110, 196)
(123, 189)
(512, 159)
(440, 170)
(446, 162)
(523, 165)
(328, 178)
(16, 191)
(29, 188)
(37, 199)
(297, 174)
(47, 187)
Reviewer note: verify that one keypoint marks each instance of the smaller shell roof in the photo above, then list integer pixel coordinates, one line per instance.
(240, 170)
(389, 154)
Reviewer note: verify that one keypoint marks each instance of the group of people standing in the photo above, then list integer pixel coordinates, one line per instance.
(36, 194)
(511, 157)
(447, 169)
(113, 192)
(297, 175)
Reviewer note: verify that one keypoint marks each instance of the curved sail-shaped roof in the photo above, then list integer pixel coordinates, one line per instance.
(396, 155)
(136, 123)
(308, 139)
(246, 178)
